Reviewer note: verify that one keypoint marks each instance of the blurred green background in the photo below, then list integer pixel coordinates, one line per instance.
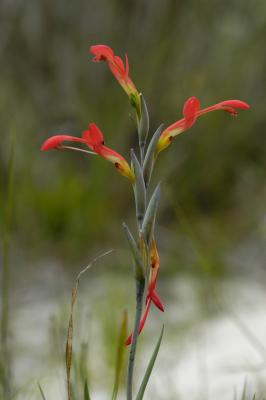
(68, 207)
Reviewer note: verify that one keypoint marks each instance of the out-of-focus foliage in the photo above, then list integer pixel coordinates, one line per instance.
(210, 49)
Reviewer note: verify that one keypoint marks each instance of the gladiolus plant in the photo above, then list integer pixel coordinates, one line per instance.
(138, 171)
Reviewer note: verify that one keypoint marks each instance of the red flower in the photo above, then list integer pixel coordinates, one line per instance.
(119, 69)
(93, 138)
(191, 111)
(152, 296)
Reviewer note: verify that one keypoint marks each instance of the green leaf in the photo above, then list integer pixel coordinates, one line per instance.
(149, 157)
(6, 215)
(135, 252)
(139, 188)
(149, 368)
(86, 392)
(243, 397)
(41, 391)
(120, 354)
(150, 215)
(144, 123)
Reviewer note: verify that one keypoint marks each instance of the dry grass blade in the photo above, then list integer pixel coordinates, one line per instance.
(69, 340)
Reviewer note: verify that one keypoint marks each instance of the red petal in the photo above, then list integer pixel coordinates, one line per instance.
(127, 67)
(117, 68)
(119, 64)
(191, 106)
(111, 155)
(93, 137)
(54, 142)
(236, 104)
(129, 340)
(190, 109)
(101, 52)
(157, 301)
(142, 322)
(227, 105)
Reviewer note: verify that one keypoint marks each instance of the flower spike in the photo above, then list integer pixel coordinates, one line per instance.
(120, 70)
(191, 111)
(93, 138)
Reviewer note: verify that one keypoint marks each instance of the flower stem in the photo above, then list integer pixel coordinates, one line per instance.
(140, 285)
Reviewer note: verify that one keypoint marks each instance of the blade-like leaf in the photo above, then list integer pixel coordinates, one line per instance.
(149, 368)
(120, 355)
(150, 215)
(6, 215)
(149, 157)
(86, 392)
(243, 397)
(41, 391)
(139, 188)
(144, 124)
(135, 252)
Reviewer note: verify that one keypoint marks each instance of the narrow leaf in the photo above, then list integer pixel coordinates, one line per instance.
(243, 397)
(149, 158)
(6, 216)
(41, 391)
(144, 122)
(120, 354)
(149, 368)
(150, 215)
(139, 188)
(135, 252)
(86, 392)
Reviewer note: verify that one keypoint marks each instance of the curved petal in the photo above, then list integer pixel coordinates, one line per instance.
(101, 52)
(227, 105)
(190, 109)
(127, 67)
(55, 142)
(236, 104)
(93, 137)
(157, 301)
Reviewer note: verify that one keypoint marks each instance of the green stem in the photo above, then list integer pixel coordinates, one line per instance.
(140, 285)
